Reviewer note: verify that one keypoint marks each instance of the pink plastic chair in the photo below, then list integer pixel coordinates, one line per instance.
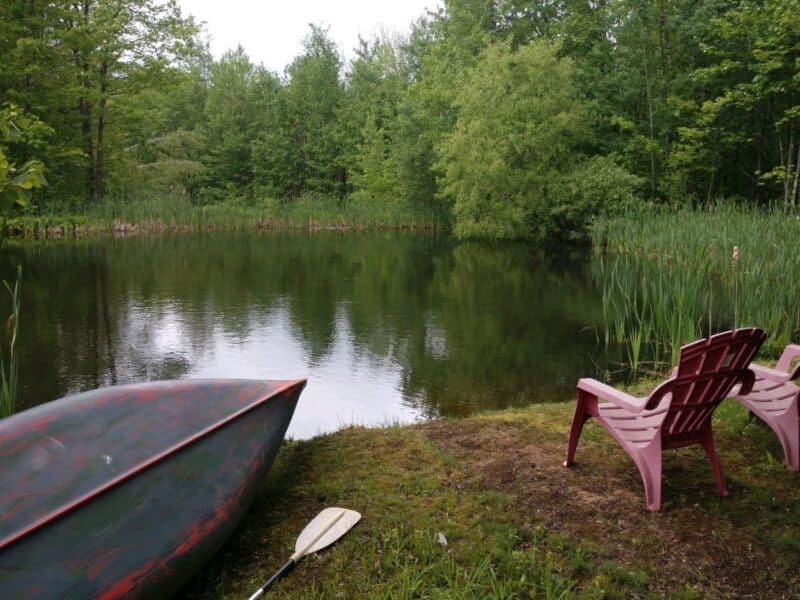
(773, 399)
(676, 413)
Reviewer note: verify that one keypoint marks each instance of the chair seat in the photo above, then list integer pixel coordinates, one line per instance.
(771, 397)
(637, 428)
(775, 403)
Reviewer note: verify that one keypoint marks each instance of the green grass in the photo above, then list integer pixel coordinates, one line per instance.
(669, 277)
(394, 477)
(176, 212)
(517, 524)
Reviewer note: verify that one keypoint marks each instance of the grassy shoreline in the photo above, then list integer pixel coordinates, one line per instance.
(49, 228)
(178, 214)
(517, 524)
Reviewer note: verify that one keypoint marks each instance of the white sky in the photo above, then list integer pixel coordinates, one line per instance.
(272, 31)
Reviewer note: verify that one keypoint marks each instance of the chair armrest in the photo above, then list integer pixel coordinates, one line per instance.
(664, 388)
(791, 352)
(748, 379)
(770, 374)
(610, 394)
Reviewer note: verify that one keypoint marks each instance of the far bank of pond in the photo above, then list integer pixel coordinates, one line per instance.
(177, 214)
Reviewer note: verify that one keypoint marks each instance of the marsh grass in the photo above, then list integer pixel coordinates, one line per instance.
(176, 211)
(668, 278)
(9, 360)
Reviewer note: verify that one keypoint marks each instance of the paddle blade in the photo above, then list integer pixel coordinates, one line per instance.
(327, 527)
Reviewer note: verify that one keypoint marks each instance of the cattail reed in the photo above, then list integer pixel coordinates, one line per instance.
(671, 277)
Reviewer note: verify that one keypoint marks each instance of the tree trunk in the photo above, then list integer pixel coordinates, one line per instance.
(86, 117)
(88, 145)
(762, 125)
(711, 184)
(652, 133)
(98, 175)
(786, 160)
(796, 189)
(664, 47)
(28, 7)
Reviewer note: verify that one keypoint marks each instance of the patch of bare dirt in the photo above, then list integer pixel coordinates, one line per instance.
(600, 501)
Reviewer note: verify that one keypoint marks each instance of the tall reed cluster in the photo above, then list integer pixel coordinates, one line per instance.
(9, 361)
(176, 211)
(669, 277)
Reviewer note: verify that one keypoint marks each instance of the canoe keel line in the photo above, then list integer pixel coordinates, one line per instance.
(127, 491)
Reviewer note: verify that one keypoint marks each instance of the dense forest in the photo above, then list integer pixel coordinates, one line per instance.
(516, 118)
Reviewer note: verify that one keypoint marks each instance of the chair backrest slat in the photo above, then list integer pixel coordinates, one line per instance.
(707, 370)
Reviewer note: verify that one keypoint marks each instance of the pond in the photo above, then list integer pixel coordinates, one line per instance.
(388, 327)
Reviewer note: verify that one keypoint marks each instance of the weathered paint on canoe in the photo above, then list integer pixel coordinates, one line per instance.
(126, 491)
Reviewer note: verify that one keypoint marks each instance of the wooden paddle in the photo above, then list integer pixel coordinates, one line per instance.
(327, 527)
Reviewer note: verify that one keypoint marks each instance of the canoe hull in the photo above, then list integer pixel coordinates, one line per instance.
(145, 535)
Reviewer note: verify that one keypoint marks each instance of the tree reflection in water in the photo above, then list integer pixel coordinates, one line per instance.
(387, 326)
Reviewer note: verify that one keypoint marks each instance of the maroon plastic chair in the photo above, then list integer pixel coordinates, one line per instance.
(773, 399)
(678, 412)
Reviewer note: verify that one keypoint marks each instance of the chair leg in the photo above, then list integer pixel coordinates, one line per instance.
(578, 419)
(648, 462)
(711, 453)
(789, 437)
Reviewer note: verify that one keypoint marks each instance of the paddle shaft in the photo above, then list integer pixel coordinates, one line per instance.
(279, 574)
(289, 565)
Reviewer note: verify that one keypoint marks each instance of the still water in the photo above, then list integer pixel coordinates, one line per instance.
(387, 327)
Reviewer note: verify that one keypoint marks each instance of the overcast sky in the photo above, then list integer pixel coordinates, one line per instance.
(272, 31)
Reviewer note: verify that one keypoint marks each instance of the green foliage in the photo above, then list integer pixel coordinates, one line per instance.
(678, 101)
(376, 82)
(29, 226)
(314, 94)
(21, 131)
(596, 186)
(752, 113)
(507, 145)
(442, 48)
(179, 212)
(296, 147)
(276, 165)
(230, 110)
(638, 86)
(165, 142)
(375, 176)
(16, 183)
(81, 67)
(512, 164)
(18, 129)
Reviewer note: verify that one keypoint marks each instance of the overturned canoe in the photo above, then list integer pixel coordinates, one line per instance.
(126, 491)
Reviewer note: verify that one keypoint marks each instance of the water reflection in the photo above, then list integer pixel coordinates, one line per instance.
(387, 327)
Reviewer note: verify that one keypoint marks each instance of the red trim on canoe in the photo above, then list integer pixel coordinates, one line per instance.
(130, 473)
